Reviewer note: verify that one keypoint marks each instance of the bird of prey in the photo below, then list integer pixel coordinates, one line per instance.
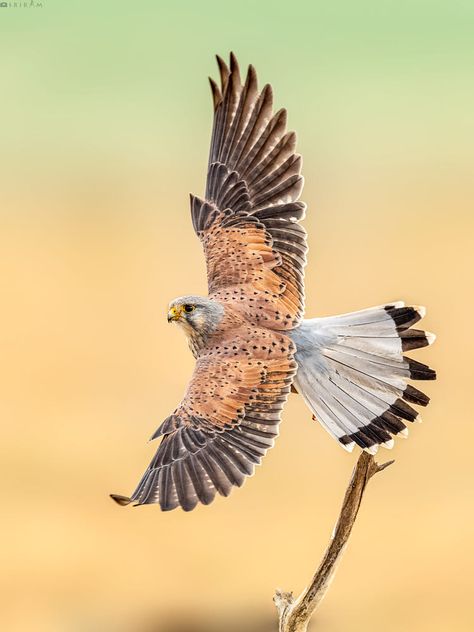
(249, 337)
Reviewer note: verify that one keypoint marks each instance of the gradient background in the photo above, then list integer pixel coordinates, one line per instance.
(105, 123)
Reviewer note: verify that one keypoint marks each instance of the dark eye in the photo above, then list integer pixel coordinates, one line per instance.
(189, 308)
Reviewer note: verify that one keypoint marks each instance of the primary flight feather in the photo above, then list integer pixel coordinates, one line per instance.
(248, 336)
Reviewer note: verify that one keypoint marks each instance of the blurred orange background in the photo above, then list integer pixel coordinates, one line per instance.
(106, 118)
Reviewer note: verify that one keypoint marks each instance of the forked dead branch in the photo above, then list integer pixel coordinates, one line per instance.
(295, 613)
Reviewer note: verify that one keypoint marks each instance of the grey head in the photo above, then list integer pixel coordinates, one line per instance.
(198, 316)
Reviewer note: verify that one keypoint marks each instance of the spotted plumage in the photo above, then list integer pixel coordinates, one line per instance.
(248, 336)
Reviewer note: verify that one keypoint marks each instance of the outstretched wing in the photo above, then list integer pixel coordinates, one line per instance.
(225, 424)
(248, 223)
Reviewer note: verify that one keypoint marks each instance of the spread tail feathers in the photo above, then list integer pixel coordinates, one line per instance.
(354, 377)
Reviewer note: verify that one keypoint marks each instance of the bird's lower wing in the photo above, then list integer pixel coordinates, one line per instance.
(226, 422)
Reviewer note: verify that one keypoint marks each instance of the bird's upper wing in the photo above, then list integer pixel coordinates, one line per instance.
(248, 223)
(224, 425)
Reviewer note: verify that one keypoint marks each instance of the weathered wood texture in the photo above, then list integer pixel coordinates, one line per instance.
(295, 613)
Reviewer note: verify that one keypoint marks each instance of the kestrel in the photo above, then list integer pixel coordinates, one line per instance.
(250, 341)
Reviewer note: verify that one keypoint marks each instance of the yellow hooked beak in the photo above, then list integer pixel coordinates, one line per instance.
(175, 313)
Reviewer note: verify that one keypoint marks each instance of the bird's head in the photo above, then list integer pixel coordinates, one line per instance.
(197, 315)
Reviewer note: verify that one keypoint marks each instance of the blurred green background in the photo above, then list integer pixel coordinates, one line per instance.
(106, 117)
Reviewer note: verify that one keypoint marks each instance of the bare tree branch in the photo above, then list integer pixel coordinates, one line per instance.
(295, 614)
